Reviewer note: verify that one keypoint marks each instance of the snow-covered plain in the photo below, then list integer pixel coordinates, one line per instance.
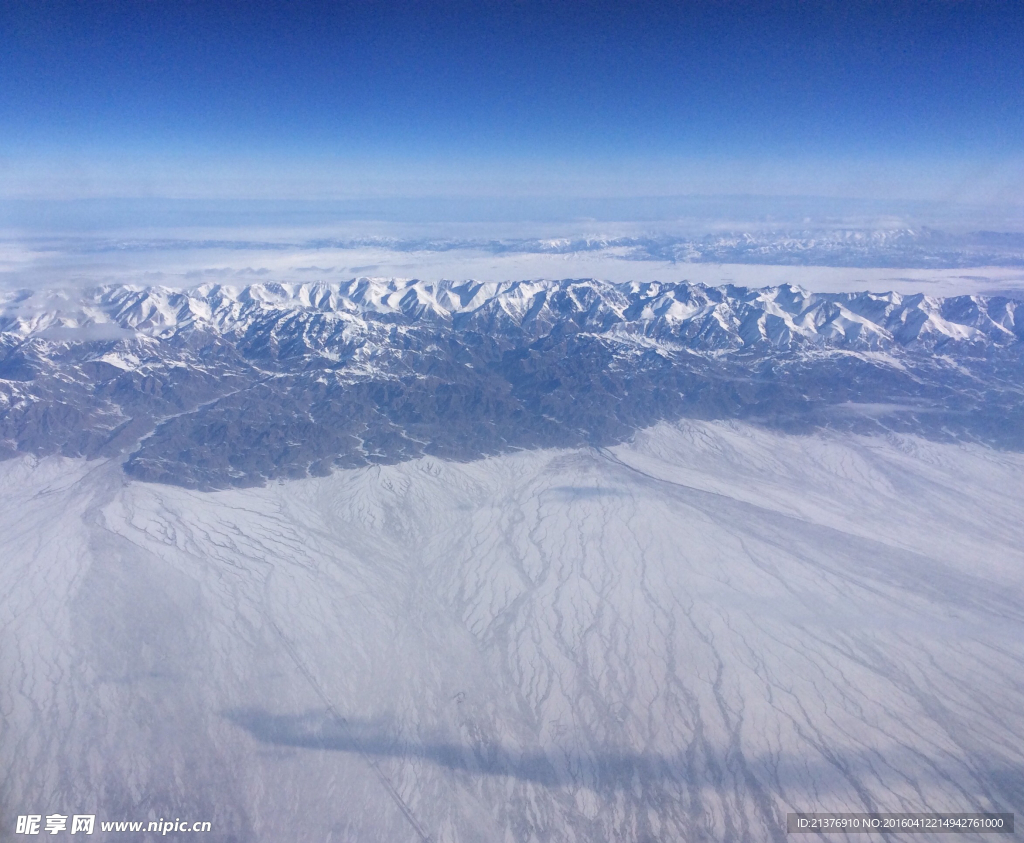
(679, 638)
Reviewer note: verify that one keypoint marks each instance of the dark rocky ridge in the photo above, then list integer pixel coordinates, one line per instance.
(221, 386)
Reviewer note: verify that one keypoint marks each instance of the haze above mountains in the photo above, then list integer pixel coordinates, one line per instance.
(820, 245)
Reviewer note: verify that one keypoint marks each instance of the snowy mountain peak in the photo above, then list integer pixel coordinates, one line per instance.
(683, 315)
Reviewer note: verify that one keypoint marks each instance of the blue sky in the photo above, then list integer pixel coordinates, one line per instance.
(882, 100)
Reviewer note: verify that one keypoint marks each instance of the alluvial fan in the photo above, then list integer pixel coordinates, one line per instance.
(684, 638)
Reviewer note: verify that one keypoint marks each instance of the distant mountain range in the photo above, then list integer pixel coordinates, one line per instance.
(899, 247)
(219, 386)
(920, 247)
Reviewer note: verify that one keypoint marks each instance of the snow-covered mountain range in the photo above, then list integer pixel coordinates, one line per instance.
(372, 370)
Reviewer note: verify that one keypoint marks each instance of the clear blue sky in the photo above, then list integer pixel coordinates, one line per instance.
(909, 100)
